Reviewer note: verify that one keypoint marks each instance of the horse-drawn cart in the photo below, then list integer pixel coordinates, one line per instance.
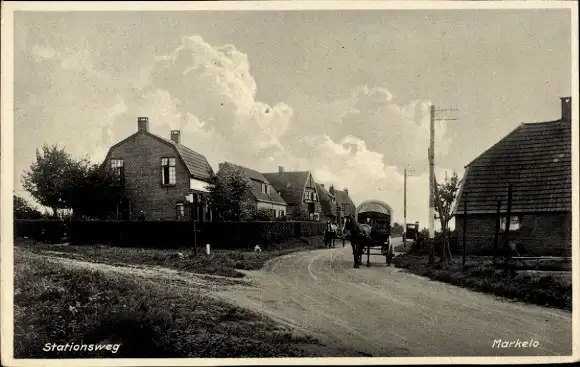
(376, 216)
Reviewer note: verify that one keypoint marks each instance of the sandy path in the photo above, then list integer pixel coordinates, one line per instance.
(384, 311)
(379, 311)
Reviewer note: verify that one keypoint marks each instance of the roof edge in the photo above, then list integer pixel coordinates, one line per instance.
(496, 144)
(460, 192)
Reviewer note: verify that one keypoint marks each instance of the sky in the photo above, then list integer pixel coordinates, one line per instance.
(344, 94)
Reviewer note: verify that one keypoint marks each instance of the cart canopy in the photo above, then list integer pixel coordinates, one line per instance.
(375, 206)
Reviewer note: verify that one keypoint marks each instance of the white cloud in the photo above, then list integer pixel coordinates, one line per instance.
(386, 127)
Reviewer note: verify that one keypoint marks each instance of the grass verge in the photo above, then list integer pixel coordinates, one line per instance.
(220, 262)
(57, 304)
(554, 290)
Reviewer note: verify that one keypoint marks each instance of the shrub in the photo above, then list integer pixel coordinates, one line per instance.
(168, 234)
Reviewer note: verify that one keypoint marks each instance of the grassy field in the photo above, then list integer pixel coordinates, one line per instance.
(220, 262)
(58, 304)
(539, 286)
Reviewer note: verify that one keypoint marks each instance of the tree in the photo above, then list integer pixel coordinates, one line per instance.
(47, 177)
(445, 194)
(231, 194)
(92, 191)
(23, 210)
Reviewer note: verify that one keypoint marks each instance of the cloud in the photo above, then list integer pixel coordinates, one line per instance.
(399, 131)
(214, 84)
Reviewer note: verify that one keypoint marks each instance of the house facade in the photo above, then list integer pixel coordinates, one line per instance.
(160, 177)
(345, 204)
(328, 204)
(536, 159)
(265, 195)
(298, 189)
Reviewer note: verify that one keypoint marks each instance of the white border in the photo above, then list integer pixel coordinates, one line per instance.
(6, 185)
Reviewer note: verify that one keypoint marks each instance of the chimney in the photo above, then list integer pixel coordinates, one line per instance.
(331, 189)
(175, 136)
(566, 108)
(322, 185)
(143, 124)
(280, 169)
(346, 190)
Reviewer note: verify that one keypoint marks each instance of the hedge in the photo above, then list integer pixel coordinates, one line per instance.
(162, 234)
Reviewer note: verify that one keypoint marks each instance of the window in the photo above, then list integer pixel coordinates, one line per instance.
(514, 224)
(168, 171)
(281, 213)
(344, 208)
(118, 168)
(179, 210)
(266, 189)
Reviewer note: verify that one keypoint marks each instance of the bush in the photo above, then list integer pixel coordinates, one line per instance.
(169, 234)
(544, 290)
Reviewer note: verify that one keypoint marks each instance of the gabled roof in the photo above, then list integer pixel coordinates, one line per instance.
(326, 204)
(343, 198)
(257, 179)
(536, 158)
(290, 185)
(196, 164)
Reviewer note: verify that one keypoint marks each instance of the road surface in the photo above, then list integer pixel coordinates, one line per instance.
(385, 312)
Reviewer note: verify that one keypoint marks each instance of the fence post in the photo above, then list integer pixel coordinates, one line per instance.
(497, 227)
(507, 229)
(464, 227)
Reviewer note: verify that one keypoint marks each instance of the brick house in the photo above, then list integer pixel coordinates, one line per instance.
(536, 159)
(264, 194)
(345, 204)
(328, 204)
(158, 174)
(298, 190)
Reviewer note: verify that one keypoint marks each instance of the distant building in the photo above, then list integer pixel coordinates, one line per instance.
(265, 195)
(536, 159)
(328, 205)
(345, 204)
(158, 174)
(298, 190)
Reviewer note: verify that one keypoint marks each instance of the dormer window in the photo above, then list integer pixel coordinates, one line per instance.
(168, 171)
(265, 188)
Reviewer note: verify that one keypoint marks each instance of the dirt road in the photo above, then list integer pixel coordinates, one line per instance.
(384, 311)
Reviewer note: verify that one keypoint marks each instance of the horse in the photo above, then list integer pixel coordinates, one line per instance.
(359, 236)
(330, 234)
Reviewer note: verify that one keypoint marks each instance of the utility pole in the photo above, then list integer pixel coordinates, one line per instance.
(431, 173)
(405, 209)
(431, 156)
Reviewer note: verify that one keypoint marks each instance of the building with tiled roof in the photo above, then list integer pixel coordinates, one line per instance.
(298, 190)
(328, 204)
(158, 175)
(264, 194)
(536, 160)
(345, 203)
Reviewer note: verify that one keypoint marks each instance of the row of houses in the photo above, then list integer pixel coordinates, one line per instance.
(536, 160)
(159, 175)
